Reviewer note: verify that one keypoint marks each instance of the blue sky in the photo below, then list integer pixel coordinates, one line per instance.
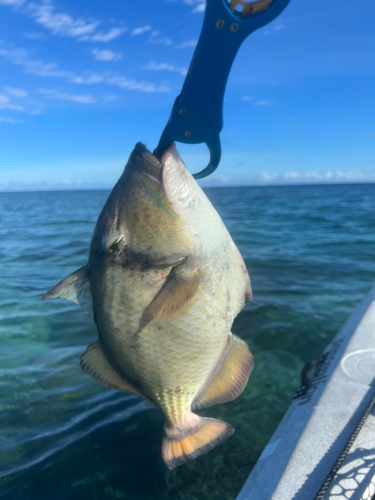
(82, 81)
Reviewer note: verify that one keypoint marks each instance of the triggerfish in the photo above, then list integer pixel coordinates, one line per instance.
(163, 284)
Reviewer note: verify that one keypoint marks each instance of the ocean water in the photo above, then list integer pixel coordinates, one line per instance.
(310, 252)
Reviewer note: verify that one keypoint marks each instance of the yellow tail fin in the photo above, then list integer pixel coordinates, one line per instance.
(180, 446)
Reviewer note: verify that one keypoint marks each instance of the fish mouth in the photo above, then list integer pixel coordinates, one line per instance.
(146, 163)
(147, 172)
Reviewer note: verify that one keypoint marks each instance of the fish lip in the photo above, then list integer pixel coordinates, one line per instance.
(167, 153)
(170, 160)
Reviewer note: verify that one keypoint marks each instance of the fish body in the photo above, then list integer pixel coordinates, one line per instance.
(163, 283)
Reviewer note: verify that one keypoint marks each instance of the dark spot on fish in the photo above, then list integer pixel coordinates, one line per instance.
(139, 261)
(142, 262)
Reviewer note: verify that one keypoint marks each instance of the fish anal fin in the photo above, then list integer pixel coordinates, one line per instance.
(94, 363)
(230, 379)
(175, 295)
(76, 288)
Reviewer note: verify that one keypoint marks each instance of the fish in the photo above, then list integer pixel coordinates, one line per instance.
(163, 283)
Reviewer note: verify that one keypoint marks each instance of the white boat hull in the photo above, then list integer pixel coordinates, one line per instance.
(318, 425)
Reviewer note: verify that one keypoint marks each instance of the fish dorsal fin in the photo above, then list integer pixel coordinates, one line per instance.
(175, 295)
(94, 363)
(228, 380)
(76, 288)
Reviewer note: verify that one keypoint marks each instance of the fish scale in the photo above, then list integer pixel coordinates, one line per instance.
(124, 307)
(151, 361)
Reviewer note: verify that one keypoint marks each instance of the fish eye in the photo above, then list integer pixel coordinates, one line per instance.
(113, 243)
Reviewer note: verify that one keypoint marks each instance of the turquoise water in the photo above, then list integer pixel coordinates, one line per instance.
(310, 252)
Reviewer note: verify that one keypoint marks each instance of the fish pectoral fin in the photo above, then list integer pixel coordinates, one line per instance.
(228, 380)
(76, 288)
(175, 295)
(94, 363)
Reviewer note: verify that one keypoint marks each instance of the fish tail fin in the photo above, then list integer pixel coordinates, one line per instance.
(182, 445)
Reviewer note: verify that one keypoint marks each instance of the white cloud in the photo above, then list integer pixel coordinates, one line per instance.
(92, 79)
(293, 177)
(162, 40)
(247, 98)
(63, 24)
(274, 28)
(104, 37)
(140, 31)
(106, 55)
(55, 94)
(199, 5)
(153, 66)
(263, 102)
(34, 67)
(16, 92)
(39, 68)
(5, 103)
(328, 176)
(19, 57)
(126, 83)
(10, 120)
(187, 44)
(60, 23)
(267, 177)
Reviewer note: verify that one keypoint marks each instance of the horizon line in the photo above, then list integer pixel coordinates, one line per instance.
(109, 187)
